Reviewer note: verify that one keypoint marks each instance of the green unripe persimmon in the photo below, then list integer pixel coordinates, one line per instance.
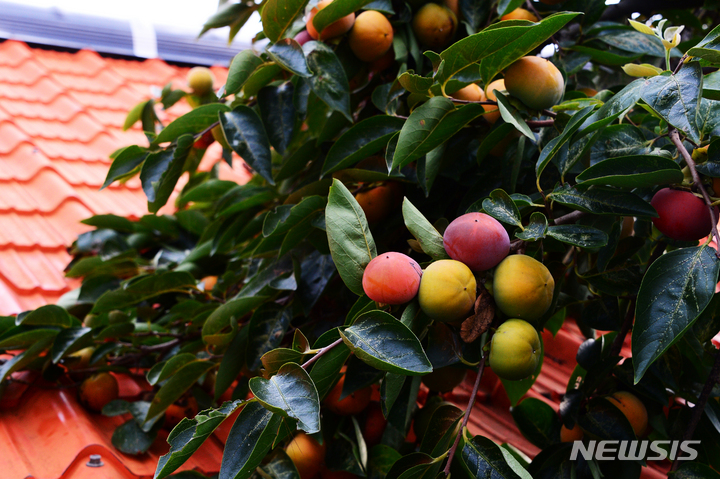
(515, 350)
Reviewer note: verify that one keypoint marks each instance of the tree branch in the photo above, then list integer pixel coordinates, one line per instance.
(540, 123)
(320, 353)
(697, 183)
(627, 324)
(569, 218)
(466, 418)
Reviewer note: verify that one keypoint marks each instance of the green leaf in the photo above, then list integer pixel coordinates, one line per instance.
(246, 135)
(709, 47)
(325, 371)
(636, 171)
(266, 331)
(207, 191)
(284, 217)
(165, 369)
(161, 171)
(48, 315)
(711, 86)
(554, 145)
(279, 15)
(21, 337)
(192, 122)
(676, 98)
(430, 125)
(133, 115)
(506, 6)
(601, 200)
(215, 330)
(290, 393)
(281, 467)
(125, 163)
(67, 340)
(263, 75)
(675, 290)
(386, 344)
(329, 82)
(362, 140)
(501, 207)
(481, 457)
(273, 360)
(241, 67)
(415, 83)
(143, 289)
(579, 235)
(189, 435)
(176, 386)
(536, 228)
(537, 421)
(278, 114)
(498, 47)
(441, 429)
(289, 54)
(430, 239)
(130, 438)
(351, 243)
(250, 439)
(232, 362)
(21, 360)
(335, 11)
(510, 114)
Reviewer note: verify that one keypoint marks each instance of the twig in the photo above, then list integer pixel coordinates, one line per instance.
(627, 324)
(699, 407)
(569, 218)
(540, 123)
(320, 353)
(466, 418)
(697, 183)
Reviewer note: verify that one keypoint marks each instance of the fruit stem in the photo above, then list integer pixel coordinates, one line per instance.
(320, 353)
(466, 418)
(699, 407)
(675, 138)
(540, 123)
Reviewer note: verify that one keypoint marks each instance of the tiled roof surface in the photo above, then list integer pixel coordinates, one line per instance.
(61, 115)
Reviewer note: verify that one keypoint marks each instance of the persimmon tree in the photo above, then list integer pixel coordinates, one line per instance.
(580, 186)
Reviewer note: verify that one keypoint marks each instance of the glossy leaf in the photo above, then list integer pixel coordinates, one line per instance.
(501, 207)
(386, 344)
(430, 125)
(130, 438)
(537, 421)
(601, 419)
(232, 363)
(481, 457)
(279, 15)
(329, 81)
(176, 386)
(161, 172)
(676, 98)
(278, 114)
(430, 239)
(267, 329)
(284, 217)
(250, 439)
(554, 145)
(240, 70)
(125, 163)
(510, 114)
(66, 340)
(189, 435)
(215, 329)
(579, 235)
(708, 48)
(192, 122)
(246, 135)
(49, 315)
(325, 371)
(143, 289)
(336, 11)
(535, 229)
(351, 243)
(165, 369)
(601, 200)
(362, 140)
(675, 290)
(290, 393)
(632, 172)
(289, 54)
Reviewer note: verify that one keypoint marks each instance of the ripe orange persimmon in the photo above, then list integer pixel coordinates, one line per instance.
(434, 26)
(392, 278)
(351, 404)
(335, 29)
(307, 454)
(371, 36)
(378, 202)
(98, 390)
(570, 435)
(520, 14)
(633, 409)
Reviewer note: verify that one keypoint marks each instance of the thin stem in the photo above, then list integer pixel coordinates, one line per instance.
(699, 407)
(569, 218)
(627, 324)
(466, 418)
(697, 183)
(320, 353)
